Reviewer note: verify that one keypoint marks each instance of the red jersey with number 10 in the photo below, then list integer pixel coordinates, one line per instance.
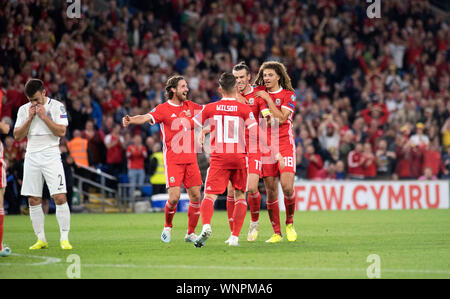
(229, 120)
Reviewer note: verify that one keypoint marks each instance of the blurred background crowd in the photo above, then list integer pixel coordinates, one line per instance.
(373, 95)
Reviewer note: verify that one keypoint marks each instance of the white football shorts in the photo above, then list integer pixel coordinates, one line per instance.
(43, 165)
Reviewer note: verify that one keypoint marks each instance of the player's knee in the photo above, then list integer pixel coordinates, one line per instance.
(59, 198)
(252, 189)
(195, 197)
(271, 195)
(174, 198)
(287, 189)
(34, 201)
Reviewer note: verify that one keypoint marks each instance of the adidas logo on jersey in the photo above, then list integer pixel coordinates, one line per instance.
(173, 115)
(209, 188)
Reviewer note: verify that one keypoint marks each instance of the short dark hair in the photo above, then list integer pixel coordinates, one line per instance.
(32, 86)
(227, 82)
(172, 82)
(241, 66)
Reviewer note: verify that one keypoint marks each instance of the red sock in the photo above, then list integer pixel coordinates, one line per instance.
(290, 208)
(193, 215)
(254, 201)
(170, 212)
(240, 210)
(2, 215)
(230, 210)
(274, 215)
(207, 210)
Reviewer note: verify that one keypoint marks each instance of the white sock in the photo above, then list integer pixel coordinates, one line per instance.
(37, 221)
(63, 217)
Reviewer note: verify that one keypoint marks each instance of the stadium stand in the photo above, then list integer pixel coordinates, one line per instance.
(383, 83)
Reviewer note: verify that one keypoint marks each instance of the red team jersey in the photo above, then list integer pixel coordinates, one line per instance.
(285, 137)
(180, 157)
(228, 120)
(178, 143)
(257, 106)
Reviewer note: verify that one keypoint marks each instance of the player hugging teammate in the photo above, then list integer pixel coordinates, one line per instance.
(251, 136)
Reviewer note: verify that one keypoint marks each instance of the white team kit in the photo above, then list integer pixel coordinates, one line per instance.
(43, 157)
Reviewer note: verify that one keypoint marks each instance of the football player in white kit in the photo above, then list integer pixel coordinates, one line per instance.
(43, 121)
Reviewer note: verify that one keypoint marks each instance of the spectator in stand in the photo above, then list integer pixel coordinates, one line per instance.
(445, 131)
(428, 175)
(419, 139)
(385, 161)
(409, 160)
(346, 146)
(375, 111)
(301, 163)
(369, 166)
(446, 161)
(95, 144)
(78, 116)
(355, 162)
(329, 137)
(79, 149)
(157, 170)
(13, 151)
(92, 109)
(315, 162)
(328, 172)
(136, 155)
(374, 132)
(432, 158)
(340, 170)
(114, 143)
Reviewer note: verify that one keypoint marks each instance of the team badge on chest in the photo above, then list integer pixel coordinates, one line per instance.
(251, 101)
(278, 102)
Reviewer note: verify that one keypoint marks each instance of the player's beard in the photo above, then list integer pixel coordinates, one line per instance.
(182, 96)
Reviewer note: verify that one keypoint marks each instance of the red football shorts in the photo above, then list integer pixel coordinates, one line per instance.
(217, 179)
(274, 170)
(254, 163)
(188, 174)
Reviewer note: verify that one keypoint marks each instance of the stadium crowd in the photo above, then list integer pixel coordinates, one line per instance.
(373, 95)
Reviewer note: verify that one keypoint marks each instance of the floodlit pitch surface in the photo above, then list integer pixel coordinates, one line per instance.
(331, 244)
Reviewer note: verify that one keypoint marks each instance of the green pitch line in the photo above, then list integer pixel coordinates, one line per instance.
(331, 244)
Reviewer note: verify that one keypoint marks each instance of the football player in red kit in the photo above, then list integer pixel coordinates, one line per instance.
(281, 102)
(259, 108)
(180, 158)
(228, 120)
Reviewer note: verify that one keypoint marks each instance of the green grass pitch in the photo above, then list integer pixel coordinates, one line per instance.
(331, 244)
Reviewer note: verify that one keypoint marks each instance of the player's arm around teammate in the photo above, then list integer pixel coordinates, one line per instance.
(174, 117)
(274, 77)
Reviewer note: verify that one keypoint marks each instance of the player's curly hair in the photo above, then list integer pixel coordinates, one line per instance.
(280, 69)
(172, 82)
